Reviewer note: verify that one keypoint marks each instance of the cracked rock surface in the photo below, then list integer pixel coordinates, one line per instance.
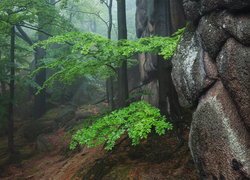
(211, 73)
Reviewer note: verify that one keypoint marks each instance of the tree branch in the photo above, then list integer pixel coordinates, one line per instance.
(35, 29)
(91, 13)
(111, 67)
(23, 35)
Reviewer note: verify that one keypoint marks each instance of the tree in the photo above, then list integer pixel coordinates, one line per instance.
(12, 92)
(123, 93)
(14, 15)
(110, 80)
(92, 54)
(40, 53)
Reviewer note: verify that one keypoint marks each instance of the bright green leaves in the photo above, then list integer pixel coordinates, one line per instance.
(92, 54)
(137, 120)
(99, 47)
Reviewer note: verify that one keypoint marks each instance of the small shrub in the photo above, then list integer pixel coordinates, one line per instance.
(137, 120)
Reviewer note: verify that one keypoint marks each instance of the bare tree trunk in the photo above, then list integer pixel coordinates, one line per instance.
(122, 71)
(40, 78)
(110, 80)
(12, 93)
(40, 53)
(40, 99)
(110, 24)
(3, 84)
(3, 88)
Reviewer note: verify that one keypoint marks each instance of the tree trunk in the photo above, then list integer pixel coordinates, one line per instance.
(163, 28)
(110, 80)
(12, 93)
(170, 17)
(40, 99)
(122, 71)
(40, 53)
(3, 84)
(110, 24)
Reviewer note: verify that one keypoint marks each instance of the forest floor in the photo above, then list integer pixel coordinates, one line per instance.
(159, 158)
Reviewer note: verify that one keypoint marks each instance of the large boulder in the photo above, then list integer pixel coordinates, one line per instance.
(211, 72)
(234, 68)
(212, 35)
(191, 9)
(219, 141)
(238, 25)
(193, 70)
(195, 9)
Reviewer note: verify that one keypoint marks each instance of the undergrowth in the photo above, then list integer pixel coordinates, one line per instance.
(137, 121)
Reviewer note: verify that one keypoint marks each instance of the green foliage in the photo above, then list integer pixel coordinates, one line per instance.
(92, 54)
(137, 120)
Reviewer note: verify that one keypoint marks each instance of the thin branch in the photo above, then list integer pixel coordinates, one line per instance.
(41, 31)
(36, 29)
(55, 2)
(111, 67)
(24, 35)
(91, 13)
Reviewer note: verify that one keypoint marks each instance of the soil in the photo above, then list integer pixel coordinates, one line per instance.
(157, 158)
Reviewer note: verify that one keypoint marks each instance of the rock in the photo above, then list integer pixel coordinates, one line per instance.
(234, 68)
(193, 70)
(194, 9)
(191, 9)
(215, 5)
(219, 141)
(238, 25)
(65, 115)
(237, 4)
(220, 130)
(151, 93)
(213, 36)
(210, 5)
(147, 66)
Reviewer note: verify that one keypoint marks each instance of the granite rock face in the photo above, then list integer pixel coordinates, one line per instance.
(234, 67)
(193, 70)
(195, 9)
(219, 140)
(211, 72)
(237, 25)
(212, 35)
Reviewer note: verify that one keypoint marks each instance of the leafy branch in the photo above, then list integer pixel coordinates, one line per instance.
(137, 121)
(92, 54)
